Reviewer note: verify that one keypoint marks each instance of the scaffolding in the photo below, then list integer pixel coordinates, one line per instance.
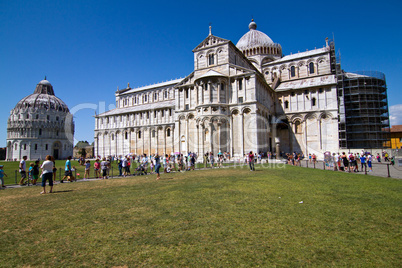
(362, 107)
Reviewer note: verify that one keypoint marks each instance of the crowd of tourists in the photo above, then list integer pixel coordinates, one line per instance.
(132, 165)
(350, 162)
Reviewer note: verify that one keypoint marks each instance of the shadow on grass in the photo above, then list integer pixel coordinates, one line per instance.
(59, 192)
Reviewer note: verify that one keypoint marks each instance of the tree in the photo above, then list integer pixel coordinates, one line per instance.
(83, 152)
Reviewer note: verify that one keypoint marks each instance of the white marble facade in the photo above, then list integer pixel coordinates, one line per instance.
(39, 125)
(239, 98)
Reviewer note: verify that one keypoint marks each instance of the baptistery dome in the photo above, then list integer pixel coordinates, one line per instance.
(42, 98)
(40, 124)
(258, 46)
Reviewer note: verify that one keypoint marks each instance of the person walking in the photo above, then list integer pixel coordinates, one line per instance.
(2, 174)
(35, 172)
(120, 165)
(211, 159)
(67, 170)
(47, 174)
(165, 163)
(87, 168)
(23, 169)
(157, 166)
(345, 161)
(54, 170)
(97, 168)
(104, 165)
(370, 162)
(363, 160)
(251, 161)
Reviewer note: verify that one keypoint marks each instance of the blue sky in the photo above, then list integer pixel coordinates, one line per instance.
(89, 48)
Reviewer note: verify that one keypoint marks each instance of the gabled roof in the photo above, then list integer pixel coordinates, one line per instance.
(211, 73)
(210, 41)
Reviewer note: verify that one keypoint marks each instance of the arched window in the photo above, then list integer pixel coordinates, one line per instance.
(36, 147)
(240, 84)
(155, 96)
(311, 67)
(153, 133)
(126, 135)
(222, 86)
(145, 98)
(40, 132)
(298, 127)
(286, 104)
(46, 147)
(25, 147)
(139, 134)
(168, 132)
(186, 93)
(211, 59)
(112, 137)
(292, 71)
(313, 102)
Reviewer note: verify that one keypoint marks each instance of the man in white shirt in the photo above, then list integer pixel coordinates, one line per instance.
(124, 165)
(23, 169)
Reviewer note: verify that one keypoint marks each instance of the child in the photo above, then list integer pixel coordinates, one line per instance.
(96, 168)
(30, 173)
(2, 174)
(87, 167)
(35, 172)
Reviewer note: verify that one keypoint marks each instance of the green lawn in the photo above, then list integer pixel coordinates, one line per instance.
(207, 218)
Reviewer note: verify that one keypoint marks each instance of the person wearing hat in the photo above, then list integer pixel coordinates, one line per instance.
(2, 174)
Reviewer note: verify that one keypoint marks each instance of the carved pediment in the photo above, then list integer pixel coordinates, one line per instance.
(210, 41)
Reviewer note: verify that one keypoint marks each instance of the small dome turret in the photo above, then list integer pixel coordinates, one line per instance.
(255, 42)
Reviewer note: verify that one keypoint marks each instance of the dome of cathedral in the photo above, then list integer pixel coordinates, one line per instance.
(253, 38)
(257, 45)
(42, 98)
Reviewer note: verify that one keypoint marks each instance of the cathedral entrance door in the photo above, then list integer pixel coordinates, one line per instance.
(56, 153)
(56, 150)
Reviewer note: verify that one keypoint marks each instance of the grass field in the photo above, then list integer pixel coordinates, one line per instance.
(207, 218)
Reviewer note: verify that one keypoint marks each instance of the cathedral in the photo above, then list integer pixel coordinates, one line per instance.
(249, 97)
(39, 125)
